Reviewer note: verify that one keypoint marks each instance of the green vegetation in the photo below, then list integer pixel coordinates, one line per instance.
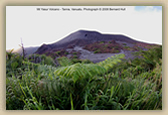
(102, 42)
(116, 47)
(66, 53)
(117, 51)
(58, 52)
(127, 47)
(75, 56)
(42, 59)
(74, 53)
(104, 47)
(64, 61)
(97, 51)
(113, 84)
(124, 44)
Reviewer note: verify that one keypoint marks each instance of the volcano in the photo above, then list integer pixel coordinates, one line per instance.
(85, 44)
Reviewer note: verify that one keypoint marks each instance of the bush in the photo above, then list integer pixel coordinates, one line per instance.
(97, 51)
(124, 44)
(117, 51)
(74, 53)
(75, 56)
(74, 60)
(58, 52)
(42, 59)
(14, 64)
(86, 61)
(64, 61)
(102, 42)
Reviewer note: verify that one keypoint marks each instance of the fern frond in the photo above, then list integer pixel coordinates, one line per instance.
(80, 70)
(111, 61)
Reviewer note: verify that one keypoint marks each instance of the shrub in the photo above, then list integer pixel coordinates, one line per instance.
(86, 61)
(42, 59)
(124, 44)
(74, 53)
(64, 61)
(101, 42)
(75, 56)
(75, 60)
(58, 52)
(117, 51)
(97, 51)
(14, 64)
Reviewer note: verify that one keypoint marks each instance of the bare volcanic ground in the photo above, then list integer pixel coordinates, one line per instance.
(93, 46)
(85, 54)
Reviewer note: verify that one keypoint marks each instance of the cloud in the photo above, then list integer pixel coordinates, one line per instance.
(148, 8)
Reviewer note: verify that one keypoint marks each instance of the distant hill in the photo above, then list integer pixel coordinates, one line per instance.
(28, 50)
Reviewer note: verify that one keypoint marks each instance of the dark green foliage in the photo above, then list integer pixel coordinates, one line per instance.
(117, 51)
(75, 53)
(12, 95)
(74, 60)
(86, 61)
(124, 44)
(64, 61)
(75, 56)
(150, 58)
(97, 51)
(42, 59)
(101, 42)
(126, 47)
(58, 52)
(14, 64)
(66, 53)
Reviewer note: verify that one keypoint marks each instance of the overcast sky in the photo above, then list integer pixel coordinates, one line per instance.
(35, 27)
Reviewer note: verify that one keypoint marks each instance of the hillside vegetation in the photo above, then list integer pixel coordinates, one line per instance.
(41, 83)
